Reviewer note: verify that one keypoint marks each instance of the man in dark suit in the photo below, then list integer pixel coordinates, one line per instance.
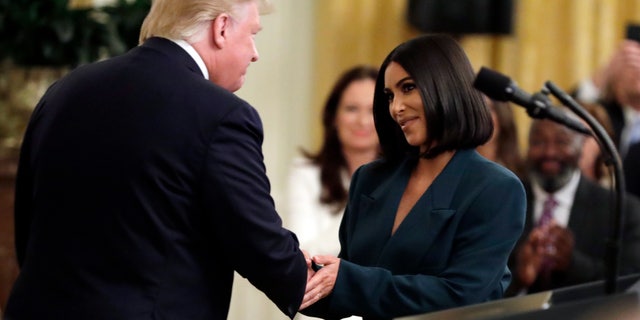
(568, 218)
(141, 185)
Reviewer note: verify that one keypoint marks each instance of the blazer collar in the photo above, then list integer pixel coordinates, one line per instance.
(447, 181)
(174, 51)
(429, 214)
(443, 187)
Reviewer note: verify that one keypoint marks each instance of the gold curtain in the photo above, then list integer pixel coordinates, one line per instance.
(559, 40)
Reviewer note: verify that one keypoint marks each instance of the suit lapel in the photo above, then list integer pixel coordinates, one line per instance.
(377, 214)
(580, 217)
(528, 224)
(429, 215)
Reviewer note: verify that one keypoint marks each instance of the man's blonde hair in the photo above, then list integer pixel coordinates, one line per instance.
(185, 19)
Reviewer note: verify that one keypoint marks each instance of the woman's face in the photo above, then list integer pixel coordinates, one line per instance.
(354, 117)
(405, 105)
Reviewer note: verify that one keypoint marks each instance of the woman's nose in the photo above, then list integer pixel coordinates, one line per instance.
(396, 106)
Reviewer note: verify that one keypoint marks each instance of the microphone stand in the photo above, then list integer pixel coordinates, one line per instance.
(612, 257)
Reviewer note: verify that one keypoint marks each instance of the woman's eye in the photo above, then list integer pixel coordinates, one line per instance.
(351, 108)
(408, 87)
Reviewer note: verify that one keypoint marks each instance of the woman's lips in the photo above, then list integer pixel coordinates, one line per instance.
(406, 123)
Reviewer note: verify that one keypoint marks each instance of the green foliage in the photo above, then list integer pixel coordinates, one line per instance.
(125, 19)
(49, 33)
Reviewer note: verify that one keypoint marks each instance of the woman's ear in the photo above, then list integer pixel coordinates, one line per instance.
(219, 27)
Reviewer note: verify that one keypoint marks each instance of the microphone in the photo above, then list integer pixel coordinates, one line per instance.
(500, 87)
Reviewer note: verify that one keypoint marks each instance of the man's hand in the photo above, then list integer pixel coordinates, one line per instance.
(307, 258)
(530, 256)
(561, 239)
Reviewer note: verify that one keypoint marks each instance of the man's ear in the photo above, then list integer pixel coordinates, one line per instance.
(220, 26)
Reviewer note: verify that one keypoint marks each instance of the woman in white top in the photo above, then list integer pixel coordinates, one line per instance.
(318, 183)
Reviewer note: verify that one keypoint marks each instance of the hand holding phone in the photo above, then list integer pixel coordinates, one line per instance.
(633, 32)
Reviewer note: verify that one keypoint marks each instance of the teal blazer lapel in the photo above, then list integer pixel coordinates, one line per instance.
(426, 223)
(377, 211)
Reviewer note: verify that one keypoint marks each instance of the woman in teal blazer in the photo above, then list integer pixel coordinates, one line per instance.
(431, 225)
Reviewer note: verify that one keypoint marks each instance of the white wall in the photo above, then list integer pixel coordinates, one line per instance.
(279, 85)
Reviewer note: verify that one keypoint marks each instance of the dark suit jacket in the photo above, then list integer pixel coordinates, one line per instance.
(631, 165)
(590, 221)
(614, 110)
(631, 161)
(141, 188)
(451, 249)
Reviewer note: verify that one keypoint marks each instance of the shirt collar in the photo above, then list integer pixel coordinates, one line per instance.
(194, 54)
(564, 195)
(630, 115)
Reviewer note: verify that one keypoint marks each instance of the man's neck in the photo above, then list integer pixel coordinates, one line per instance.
(194, 55)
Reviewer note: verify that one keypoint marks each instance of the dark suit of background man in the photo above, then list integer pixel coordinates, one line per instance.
(569, 247)
(142, 187)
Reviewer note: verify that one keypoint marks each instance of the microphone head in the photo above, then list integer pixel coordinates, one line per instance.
(493, 84)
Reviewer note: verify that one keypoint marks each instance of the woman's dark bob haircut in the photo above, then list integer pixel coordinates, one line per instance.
(456, 114)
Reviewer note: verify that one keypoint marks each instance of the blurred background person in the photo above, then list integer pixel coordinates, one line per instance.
(617, 87)
(568, 217)
(319, 183)
(417, 235)
(592, 160)
(503, 146)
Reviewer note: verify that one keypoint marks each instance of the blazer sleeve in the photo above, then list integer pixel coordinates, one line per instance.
(485, 237)
(237, 192)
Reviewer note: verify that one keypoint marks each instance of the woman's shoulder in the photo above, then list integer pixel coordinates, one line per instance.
(481, 168)
(304, 165)
(377, 166)
(303, 162)
(373, 172)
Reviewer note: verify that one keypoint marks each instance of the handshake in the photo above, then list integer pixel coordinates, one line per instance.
(321, 277)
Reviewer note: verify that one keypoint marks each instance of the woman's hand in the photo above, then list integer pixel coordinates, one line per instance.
(321, 283)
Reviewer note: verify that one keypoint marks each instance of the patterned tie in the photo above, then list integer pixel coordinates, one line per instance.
(547, 211)
(545, 219)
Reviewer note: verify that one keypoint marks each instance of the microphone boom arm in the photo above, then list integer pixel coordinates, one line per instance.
(612, 261)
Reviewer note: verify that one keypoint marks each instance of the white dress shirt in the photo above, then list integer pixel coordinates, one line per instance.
(564, 198)
(194, 54)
